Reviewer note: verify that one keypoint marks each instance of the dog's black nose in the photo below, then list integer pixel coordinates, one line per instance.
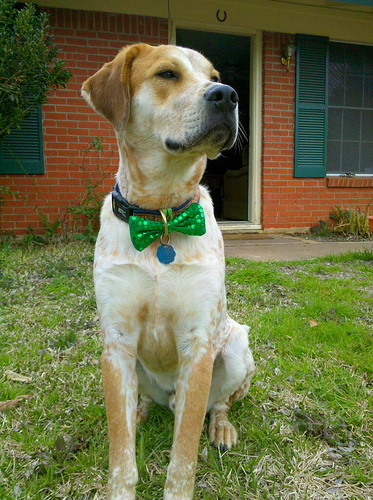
(224, 96)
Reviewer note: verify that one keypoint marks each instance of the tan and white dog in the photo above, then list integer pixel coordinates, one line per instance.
(167, 334)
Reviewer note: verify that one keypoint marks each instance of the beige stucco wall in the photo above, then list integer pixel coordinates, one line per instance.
(339, 21)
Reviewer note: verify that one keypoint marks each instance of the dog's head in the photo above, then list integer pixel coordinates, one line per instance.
(166, 97)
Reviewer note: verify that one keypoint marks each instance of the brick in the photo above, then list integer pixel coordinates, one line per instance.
(108, 36)
(82, 24)
(97, 21)
(90, 21)
(104, 21)
(134, 25)
(112, 23)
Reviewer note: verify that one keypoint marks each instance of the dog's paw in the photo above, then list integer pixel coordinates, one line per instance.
(143, 409)
(222, 434)
(142, 416)
(172, 402)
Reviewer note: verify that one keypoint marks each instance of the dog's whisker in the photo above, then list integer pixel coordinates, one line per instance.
(240, 141)
(242, 131)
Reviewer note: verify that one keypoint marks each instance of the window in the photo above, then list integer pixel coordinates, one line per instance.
(333, 108)
(22, 150)
(350, 109)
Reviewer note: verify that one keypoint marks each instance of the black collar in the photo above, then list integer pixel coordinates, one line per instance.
(123, 210)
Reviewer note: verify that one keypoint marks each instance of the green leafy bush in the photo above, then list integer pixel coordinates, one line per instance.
(29, 63)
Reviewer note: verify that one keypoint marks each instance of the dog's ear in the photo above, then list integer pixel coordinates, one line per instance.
(108, 90)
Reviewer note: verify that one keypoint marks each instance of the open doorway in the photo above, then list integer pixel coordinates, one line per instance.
(227, 176)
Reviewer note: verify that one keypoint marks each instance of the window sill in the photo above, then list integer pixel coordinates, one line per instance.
(349, 182)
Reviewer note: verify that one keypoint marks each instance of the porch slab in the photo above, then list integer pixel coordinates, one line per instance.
(286, 248)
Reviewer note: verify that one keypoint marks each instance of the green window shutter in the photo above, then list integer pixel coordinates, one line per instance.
(311, 102)
(24, 147)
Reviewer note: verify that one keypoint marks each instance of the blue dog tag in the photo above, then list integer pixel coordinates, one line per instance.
(166, 254)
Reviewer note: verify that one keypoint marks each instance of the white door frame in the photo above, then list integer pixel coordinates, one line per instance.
(255, 139)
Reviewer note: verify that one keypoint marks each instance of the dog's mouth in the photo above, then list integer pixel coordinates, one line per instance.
(219, 137)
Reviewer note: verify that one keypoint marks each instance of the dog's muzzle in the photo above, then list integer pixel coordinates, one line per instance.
(219, 124)
(222, 103)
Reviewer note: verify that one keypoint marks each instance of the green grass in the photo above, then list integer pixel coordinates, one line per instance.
(305, 429)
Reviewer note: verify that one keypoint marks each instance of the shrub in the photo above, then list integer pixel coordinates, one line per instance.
(350, 222)
(29, 66)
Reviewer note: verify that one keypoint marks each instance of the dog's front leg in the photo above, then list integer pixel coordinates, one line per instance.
(192, 391)
(120, 389)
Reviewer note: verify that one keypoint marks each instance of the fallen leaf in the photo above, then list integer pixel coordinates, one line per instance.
(313, 323)
(10, 404)
(204, 486)
(335, 489)
(16, 376)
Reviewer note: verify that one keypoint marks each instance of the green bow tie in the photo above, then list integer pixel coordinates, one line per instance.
(143, 232)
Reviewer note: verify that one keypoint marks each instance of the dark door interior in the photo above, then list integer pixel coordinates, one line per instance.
(227, 176)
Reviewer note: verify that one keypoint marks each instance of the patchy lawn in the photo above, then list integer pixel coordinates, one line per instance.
(306, 427)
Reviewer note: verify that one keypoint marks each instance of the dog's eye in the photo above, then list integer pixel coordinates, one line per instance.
(167, 75)
(215, 79)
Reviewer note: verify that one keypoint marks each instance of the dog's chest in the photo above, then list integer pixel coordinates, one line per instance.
(160, 315)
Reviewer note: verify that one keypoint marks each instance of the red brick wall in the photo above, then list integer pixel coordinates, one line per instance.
(87, 40)
(290, 202)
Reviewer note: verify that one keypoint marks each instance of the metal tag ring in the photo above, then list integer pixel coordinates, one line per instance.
(168, 240)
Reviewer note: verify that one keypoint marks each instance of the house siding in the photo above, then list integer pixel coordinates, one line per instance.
(288, 202)
(87, 40)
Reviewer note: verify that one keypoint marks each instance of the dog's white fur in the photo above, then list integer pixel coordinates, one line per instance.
(166, 330)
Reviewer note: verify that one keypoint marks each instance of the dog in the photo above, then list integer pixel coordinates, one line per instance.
(158, 267)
